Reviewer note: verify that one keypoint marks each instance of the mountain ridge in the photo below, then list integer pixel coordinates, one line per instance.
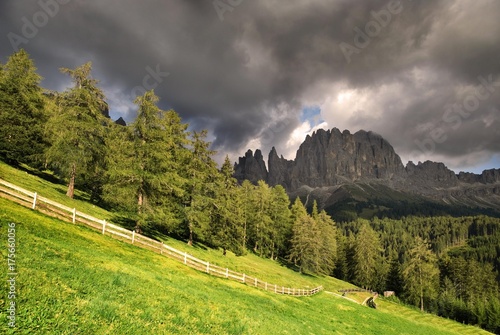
(330, 159)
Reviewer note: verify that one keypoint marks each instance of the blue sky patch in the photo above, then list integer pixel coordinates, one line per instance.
(311, 114)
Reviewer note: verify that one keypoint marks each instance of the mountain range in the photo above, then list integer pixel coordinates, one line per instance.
(360, 174)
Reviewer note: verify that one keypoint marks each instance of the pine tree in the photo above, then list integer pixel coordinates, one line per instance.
(77, 129)
(420, 273)
(22, 111)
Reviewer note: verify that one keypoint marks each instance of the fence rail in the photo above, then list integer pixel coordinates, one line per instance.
(47, 206)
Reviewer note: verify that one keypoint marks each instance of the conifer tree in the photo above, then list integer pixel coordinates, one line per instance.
(420, 273)
(228, 218)
(246, 193)
(22, 111)
(145, 164)
(261, 227)
(201, 186)
(328, 242)
(281, 229)
(366, 255)
(305, 251)
(77, 130)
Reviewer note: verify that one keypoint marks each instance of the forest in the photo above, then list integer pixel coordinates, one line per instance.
(156, 175)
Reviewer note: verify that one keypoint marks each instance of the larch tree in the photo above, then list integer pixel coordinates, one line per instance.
(77, 129)
(245, 193)
(366, 256)
(305, 250)
(22, 111)
(420, 273)
(228, 216)
(280, 215)
(144, 166)
(328, 242)
(201, 186)
(261, 224)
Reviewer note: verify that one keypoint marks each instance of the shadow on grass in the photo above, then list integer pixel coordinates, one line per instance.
(124, 221)
(48, 176)
(283, 262)
(77, 195)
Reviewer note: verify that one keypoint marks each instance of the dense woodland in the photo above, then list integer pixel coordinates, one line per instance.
(159, 177)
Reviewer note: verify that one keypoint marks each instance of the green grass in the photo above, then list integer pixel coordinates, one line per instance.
(53, 191)
(73, 280)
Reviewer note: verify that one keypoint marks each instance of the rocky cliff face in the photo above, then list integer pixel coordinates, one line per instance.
(251, 167)
(330, 159)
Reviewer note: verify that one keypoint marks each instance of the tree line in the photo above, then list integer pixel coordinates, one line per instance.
(160, 177)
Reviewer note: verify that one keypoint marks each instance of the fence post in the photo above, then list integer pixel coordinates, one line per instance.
(288, 291)
(227, 272)
(243, 277)
(255, 282)
(282, 289)
(161, 249)
(185, 258)
(74, 215)
(266, 285)
(208, 267)
(34, 201)
(133, 236)
(275, 288)
(104, 226)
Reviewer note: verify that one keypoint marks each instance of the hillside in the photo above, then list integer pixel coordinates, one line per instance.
(72, 280)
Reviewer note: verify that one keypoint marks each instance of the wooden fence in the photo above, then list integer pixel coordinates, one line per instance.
(47, 206)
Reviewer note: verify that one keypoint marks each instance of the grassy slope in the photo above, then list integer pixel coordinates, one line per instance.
(75, 281)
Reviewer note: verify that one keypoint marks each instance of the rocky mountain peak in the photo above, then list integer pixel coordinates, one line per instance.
(251, 167)
(330, 159)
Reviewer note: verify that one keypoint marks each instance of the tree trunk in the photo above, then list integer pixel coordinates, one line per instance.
(421, 290)
(71, 186)
(140, 204)
(245, 233)
(190, 242)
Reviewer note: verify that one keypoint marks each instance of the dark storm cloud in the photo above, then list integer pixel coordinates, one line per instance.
(249, 75)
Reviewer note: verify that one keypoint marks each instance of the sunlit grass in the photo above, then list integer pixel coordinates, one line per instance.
(51, 190)
(72, 280)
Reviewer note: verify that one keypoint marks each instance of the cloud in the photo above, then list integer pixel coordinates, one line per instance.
(249, 77)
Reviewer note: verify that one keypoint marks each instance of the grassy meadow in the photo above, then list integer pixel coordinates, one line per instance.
(73, 280)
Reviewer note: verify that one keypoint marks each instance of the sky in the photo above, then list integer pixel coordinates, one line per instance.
(261, 73)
